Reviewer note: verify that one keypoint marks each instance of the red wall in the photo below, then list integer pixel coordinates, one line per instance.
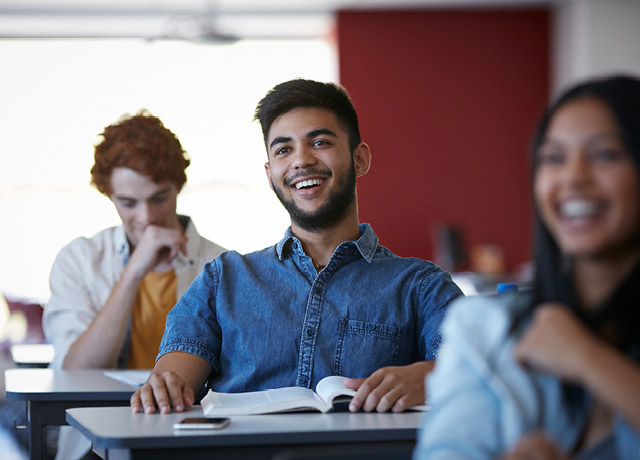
(448, 101)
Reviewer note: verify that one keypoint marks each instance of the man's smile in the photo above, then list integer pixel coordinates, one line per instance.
(307, 183)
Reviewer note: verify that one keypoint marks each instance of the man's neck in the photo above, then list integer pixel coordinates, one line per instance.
(320, 244)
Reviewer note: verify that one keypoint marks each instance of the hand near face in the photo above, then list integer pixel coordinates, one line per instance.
(164, 390)
(157, 246)
(534, 446)
(394, 388)
(148, 212)
(556, 342)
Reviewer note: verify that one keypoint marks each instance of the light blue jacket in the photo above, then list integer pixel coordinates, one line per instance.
(484, 402)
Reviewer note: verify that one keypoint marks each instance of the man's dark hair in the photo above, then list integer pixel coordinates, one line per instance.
(300, 93)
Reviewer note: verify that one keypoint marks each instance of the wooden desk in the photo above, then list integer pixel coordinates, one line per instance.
(48, 393)
(117, 434)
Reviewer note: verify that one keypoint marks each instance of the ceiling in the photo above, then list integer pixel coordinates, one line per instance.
(197, 19)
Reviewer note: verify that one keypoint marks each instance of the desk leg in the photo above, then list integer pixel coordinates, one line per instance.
(40, 415)
(37, 449)
(117, 454)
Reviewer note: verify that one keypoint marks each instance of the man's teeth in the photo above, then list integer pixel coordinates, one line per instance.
(309, 183)
(579, 208)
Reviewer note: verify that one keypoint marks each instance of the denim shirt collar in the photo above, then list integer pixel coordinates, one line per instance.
(367, 244)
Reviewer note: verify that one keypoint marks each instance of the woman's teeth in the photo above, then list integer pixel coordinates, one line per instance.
(579, 208)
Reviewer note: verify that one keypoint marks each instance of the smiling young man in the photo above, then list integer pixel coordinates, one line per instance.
(326, 300)
(110, 293)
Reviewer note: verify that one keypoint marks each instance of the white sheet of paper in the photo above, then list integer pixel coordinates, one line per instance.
(135, 377)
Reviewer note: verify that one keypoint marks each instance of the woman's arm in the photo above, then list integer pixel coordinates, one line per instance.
(534, 446)
(556, 342)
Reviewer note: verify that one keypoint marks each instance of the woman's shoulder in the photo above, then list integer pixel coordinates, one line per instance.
(482, 321)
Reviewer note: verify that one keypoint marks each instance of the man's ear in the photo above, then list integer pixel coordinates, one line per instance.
(362, 159)
(267, 169)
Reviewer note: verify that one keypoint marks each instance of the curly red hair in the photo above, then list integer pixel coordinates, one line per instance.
(142, 143)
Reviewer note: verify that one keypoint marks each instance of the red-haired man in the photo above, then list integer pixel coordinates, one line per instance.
(110, 293)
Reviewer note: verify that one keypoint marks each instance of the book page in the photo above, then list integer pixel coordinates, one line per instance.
(260, 398)
(262, 402)
(331, 389)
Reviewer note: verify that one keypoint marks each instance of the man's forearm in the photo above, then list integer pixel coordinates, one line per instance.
(192, 369)
(100, 345)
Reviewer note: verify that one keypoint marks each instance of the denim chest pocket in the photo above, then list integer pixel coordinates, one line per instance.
(364, 347)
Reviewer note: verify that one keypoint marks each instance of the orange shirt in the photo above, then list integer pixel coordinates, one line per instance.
(156, 296)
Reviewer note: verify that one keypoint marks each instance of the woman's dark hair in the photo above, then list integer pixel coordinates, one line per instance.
(553, 279)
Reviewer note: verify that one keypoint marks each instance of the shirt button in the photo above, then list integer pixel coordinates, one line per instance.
(303, 381)
(309, 331)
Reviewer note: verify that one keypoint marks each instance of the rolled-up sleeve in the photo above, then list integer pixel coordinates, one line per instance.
(191, 325)
(437, 292)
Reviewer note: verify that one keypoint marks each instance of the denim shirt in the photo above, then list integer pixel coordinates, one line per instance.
(483, 401)
(268, 319)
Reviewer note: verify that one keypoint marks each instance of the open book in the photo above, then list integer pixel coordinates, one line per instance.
(329, 391)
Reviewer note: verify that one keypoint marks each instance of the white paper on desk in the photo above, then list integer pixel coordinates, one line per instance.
(135, 377)
(421, 407)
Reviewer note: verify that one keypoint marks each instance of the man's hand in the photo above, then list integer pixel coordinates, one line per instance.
(394, 388)
(157, 246)
(164, 390)
(174, 381)
(557, 343)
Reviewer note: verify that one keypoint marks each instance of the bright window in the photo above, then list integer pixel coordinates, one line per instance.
(56, 96)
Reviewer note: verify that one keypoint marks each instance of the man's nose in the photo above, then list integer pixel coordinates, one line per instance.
(303, 157)
(145, 214)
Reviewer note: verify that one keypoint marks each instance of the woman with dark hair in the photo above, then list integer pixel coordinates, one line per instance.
(556, 373)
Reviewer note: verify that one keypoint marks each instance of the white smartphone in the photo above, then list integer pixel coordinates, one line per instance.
(202, 423)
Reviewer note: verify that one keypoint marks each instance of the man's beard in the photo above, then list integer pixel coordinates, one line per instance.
(330, 213)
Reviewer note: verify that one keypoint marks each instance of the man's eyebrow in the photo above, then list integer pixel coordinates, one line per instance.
(164, 191)
(319, 132)
(310, 135)
(279, 140)
(123, 197)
